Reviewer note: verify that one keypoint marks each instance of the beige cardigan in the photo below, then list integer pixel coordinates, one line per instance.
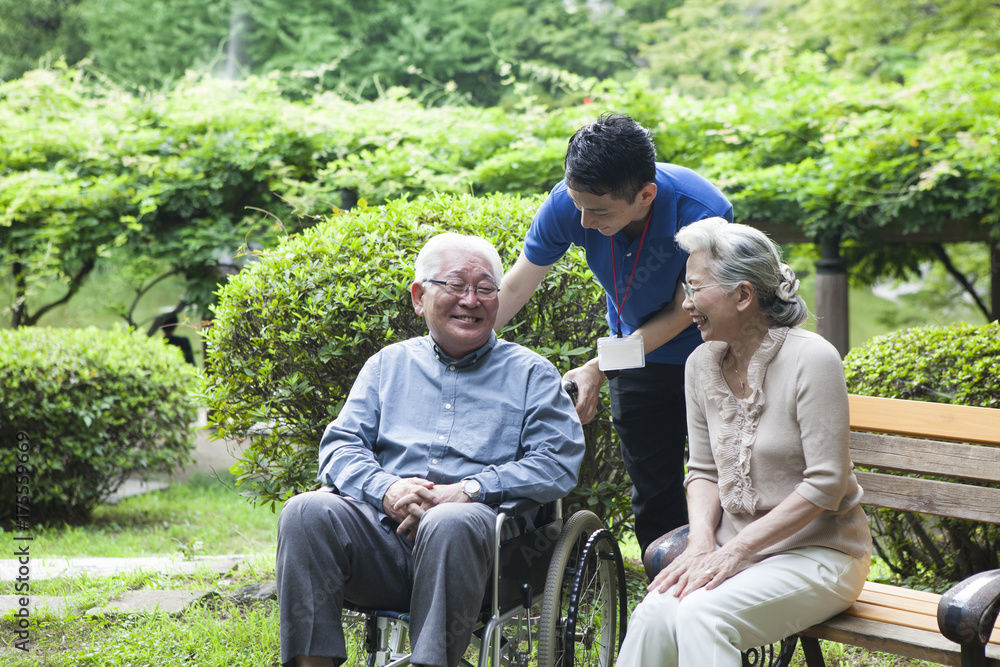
(790, 434)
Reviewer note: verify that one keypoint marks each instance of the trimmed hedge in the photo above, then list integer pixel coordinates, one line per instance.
(954, 364)
(82, 409)
(292, 331)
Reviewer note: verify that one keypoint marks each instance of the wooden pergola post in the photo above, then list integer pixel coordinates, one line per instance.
(831, 295)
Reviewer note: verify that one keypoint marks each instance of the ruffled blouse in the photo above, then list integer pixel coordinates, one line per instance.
(760, 449)
(740, 417)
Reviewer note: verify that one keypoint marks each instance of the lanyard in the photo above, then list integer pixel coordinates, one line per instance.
(614, 270)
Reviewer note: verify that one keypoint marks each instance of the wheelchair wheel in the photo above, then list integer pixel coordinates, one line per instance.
(596, 620)
(583, 598)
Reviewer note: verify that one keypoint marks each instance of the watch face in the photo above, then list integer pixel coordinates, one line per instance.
(472, 489)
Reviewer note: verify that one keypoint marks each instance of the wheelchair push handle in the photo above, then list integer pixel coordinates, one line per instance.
(571, 389)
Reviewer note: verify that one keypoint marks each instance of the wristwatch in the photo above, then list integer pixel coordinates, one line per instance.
(473, 489)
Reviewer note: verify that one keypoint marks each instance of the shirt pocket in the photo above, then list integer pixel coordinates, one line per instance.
(489, 437)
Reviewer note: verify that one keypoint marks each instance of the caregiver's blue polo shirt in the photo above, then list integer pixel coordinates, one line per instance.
(682, 197)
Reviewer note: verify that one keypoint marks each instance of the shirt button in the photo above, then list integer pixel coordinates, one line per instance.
(451, 368)
(434, 461)
(440, 437)
(447, 406)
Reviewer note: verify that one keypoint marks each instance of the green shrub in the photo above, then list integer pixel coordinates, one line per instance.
(292, 331)
(82, 409)
(955, 364)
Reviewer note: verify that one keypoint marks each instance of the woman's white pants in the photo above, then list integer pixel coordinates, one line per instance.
(770, 600)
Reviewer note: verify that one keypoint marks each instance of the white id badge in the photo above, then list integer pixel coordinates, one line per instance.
(614, 354)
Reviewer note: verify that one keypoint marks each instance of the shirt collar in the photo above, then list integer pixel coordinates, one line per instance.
(467, 360)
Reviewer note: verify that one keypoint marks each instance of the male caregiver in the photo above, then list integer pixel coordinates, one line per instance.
(623, 207)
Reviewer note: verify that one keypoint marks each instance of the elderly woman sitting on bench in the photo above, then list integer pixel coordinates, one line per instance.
(777, 539)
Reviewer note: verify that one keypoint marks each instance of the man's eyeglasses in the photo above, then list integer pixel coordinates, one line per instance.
(689, 291)
(484, 290)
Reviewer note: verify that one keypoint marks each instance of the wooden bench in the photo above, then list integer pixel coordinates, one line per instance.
(959, 446)
(953, 629)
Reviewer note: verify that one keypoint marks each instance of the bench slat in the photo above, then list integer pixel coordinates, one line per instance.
(907, 642)
(899, 617)
(929, 420)
(903, 606)
(905, 593)
(928, 496)
(918, 618)
(888, 601)
(928, 457)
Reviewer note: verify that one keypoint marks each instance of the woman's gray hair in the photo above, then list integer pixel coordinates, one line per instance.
(740, 253)
(431, 256)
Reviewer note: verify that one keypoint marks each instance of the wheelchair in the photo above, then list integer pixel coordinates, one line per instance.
(576, 567)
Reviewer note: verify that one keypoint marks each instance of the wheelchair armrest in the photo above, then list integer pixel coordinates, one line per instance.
(663, 550)
(517, 506)
(968, 610)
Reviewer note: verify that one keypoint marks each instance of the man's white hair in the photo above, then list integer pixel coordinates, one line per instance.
(431, 256)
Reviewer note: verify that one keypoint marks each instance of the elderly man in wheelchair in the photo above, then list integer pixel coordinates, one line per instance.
(436, 434)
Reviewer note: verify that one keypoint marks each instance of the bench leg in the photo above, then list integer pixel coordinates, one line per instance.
(812, 652)
(973, 656)
(769, 656)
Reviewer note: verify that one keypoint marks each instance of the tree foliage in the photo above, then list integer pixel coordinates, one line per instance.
(154, 42)
(34, 30)
(446, 52)
(181, 178)
(710, 49)
(193, 176)
(837, 158)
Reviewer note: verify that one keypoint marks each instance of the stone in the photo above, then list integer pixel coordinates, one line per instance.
(172, 602)
(265, 590)
(36, 603)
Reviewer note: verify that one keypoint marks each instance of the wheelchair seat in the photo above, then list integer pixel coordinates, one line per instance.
(557, 590)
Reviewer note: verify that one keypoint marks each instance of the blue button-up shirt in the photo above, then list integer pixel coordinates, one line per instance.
(682, 197)
(499, 416)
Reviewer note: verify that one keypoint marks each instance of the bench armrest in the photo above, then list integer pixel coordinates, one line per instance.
(968, 610)
(663, 550)
(517, 506)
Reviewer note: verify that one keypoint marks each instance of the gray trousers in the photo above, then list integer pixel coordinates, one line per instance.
(332, 548)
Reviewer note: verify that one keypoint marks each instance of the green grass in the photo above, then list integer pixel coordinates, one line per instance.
(204, 511)
(220, 632)
(840, 655)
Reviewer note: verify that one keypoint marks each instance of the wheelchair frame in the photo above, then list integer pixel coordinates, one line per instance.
(584, 602)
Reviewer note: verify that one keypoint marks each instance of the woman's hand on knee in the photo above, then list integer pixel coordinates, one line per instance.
(680, 570)
(699, 568)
